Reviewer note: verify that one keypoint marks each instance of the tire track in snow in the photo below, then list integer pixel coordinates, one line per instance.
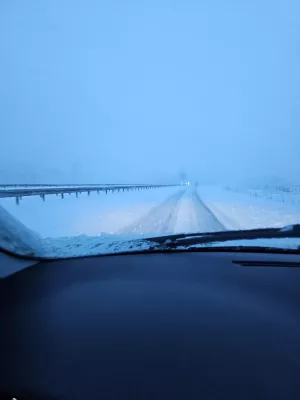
(160, 219)
(194, 216)
(206, 220)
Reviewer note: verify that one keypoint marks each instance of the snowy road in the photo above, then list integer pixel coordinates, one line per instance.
(182, 212)
(151, 212)
(160, 219)
(89, 224)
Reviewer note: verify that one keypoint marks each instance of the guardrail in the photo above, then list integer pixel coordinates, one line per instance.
(46, 185)
(25, 190)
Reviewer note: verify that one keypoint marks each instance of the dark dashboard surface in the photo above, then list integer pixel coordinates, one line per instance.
(156, 326)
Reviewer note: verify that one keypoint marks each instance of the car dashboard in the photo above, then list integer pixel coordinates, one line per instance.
(174, 325)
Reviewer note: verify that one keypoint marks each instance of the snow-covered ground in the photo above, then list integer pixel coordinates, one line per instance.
(103, 223)
(240, 210)
(88, 215)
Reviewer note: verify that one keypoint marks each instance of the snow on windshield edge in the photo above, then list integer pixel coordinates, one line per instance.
(18, 239)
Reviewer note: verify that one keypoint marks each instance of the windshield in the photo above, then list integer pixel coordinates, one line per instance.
(129, 119)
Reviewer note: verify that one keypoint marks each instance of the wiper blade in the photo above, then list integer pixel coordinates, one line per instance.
(190, 239)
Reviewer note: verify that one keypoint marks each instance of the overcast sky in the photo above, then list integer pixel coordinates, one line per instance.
(138, 90)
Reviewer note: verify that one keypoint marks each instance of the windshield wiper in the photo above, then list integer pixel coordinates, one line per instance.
(191, 239)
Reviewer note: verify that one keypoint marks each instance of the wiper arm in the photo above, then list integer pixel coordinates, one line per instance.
(173, 241)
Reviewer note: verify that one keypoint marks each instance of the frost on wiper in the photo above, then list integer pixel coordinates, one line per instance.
(207, 238)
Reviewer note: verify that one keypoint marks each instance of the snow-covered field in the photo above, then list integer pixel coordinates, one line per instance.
(242, 210)
(90, 224)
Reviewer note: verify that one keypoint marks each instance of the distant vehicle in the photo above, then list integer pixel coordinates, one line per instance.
(185, 183)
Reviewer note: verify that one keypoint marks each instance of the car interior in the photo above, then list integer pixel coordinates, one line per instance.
(195, 325)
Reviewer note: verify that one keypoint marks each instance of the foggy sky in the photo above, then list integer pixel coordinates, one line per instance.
(140, 90)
